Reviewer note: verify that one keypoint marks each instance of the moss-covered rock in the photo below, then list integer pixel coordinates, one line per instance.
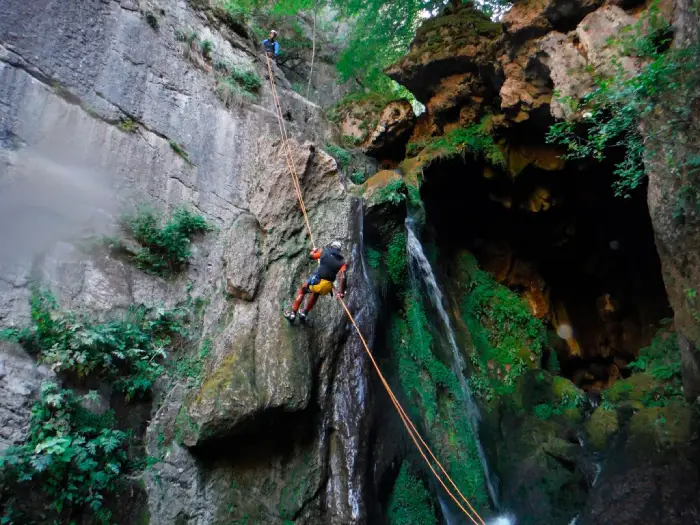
(410, 502)
(437, 399)
(537, 466)
(507, 339)
(601, 426)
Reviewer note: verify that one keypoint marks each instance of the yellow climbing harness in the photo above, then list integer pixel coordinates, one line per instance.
(415, 436)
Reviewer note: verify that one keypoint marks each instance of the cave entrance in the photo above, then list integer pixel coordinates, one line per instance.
(584, 259)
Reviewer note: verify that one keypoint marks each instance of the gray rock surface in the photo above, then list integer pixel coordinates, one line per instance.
(274, 429)
(20, 379)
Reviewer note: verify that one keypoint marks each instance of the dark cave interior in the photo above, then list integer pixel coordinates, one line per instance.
(583, 258)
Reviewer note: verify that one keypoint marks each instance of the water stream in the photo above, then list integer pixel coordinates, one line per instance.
(423, 277)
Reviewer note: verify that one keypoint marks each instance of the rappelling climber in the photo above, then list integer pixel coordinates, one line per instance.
(272, 47)
(331, 265)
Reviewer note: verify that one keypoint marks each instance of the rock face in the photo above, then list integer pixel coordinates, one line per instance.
(19, 381)
(98, 101)
(678, 237)
(382, 137)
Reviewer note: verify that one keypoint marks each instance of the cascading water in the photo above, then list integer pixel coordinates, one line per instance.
(422, 277)
(350, 394)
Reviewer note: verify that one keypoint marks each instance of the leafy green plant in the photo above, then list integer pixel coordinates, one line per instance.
(75, 455)
(232, 94)
(350, 142)
(247, 79)
(342, 156)
(475, 140)
(206, 47)
(127, 125)
(152, 20)
(126, 352)
(358, 177)
(165, 245)
(668, 82)
(393, 193)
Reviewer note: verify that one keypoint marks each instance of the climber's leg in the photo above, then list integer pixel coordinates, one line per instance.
(301, 292)
(310, 302)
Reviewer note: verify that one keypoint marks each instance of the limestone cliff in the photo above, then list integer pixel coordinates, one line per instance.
(106, 105)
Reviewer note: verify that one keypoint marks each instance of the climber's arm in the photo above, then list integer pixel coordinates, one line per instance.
(316, 253)
(341, 280)
(277, 48)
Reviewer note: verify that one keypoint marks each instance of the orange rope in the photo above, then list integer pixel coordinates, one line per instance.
(410, 427)
(288, 152)
(417, 439)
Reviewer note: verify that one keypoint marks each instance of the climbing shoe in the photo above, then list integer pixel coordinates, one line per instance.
(302, 317)
(290, 316)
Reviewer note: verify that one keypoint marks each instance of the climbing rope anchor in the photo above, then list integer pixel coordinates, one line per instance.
(415, 436)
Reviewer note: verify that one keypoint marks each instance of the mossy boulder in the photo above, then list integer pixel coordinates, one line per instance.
(601, 426)
(547, 396)
(651, 471)
(537, 464)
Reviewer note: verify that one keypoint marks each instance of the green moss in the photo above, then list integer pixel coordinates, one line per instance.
(543, 411)
(664, 427)
(373, 257)
(436, 395)
(410, 502)
(657, 379)
(465, 21)
(507, 338)
(396, 263)
(601, 426)
(301, 484)
(475, 140)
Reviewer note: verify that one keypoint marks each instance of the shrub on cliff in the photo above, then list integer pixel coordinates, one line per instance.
(474, 140)
(668, 83)
(164, 245)
(74, 453)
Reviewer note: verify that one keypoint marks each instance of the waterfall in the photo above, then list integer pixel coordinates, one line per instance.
(422, 274)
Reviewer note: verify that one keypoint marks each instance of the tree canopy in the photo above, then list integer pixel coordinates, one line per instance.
(381, 30)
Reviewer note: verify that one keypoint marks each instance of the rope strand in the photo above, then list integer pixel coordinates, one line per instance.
(415, 436)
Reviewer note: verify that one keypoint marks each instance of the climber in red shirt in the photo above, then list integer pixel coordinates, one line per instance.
(331, 265)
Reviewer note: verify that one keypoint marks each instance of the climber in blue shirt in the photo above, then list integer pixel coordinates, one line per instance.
(272, 47)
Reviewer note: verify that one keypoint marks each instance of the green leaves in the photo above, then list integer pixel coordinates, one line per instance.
(77, 456)
(165, 248)
(125, 351)
(475, 140)
(668, 83)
